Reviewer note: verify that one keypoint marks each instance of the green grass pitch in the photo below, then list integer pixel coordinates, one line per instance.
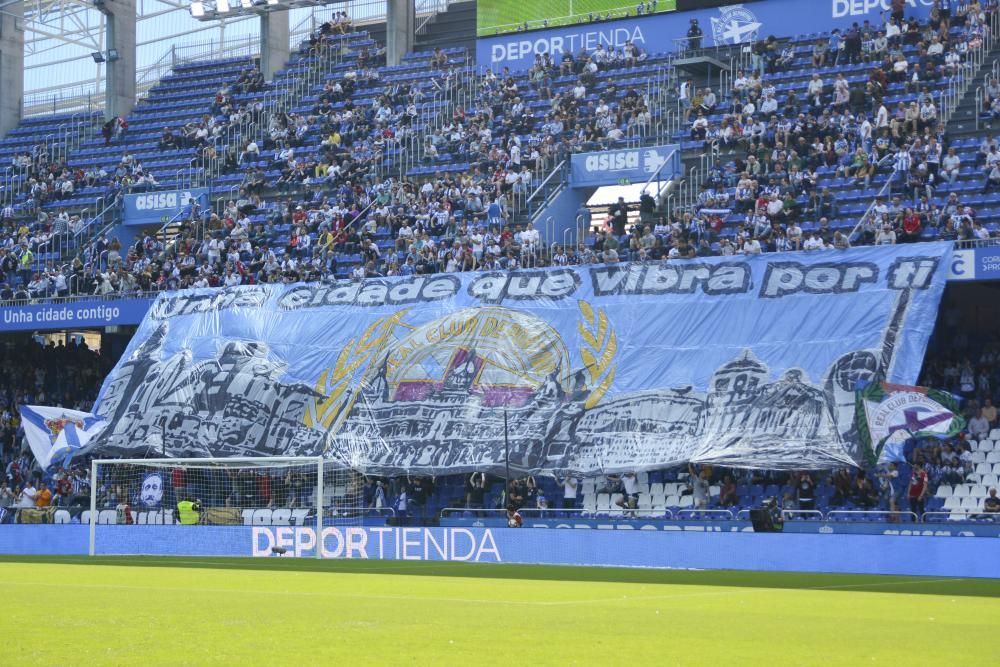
(505, 14)
(161, 611)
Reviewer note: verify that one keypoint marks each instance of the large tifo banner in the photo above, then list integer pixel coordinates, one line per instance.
(746, 362)
(161, 206)
(732, 24)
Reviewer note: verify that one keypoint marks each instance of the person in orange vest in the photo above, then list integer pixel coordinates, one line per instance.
(43, 497)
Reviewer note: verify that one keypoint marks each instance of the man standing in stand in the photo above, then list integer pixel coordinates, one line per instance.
(918, 490)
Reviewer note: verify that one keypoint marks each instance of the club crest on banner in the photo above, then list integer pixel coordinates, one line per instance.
(735, 25)
(889, 415)
(55, 425)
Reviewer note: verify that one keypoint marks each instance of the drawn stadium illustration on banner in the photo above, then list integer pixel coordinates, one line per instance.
(752, 363)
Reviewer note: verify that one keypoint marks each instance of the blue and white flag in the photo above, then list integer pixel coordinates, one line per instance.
(889, 415)
(56, 434)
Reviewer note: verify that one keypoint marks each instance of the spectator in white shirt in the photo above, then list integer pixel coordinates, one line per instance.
(979, 427)
(886, 236)
(751, 246)
(815, 86)
(28, 494)
(569, 493)
(950, 166)
(630, 499)
(812, 242)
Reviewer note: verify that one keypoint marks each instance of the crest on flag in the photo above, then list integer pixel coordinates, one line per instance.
(890, 414)
(56, 434)
(55, 425)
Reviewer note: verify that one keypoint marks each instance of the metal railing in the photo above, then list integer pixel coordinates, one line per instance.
(869, 514)
(706, 514)
(556, 512)
(960, 514)
(80, 297)
(805, 515)
(721, 514)
(993, 73)
(871, 207)
(537, 200)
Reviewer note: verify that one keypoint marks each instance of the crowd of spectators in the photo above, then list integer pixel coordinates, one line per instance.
(32, 373)
(336, 205)
(785, 147)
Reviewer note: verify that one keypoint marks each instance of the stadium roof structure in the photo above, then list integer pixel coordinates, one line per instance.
(213, 10)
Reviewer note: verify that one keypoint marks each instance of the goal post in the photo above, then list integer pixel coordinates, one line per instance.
(208, 506)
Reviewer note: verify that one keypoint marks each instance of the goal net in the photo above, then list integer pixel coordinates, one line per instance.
(232, 506)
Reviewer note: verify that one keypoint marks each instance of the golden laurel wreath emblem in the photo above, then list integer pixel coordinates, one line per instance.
(598, 352)
(330, 411)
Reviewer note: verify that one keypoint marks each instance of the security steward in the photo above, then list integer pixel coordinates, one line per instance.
(189, 511)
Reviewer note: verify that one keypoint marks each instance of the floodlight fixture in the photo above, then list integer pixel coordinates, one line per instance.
(222, 6)
(197, 9)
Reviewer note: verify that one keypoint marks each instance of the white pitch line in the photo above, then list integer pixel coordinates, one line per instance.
(334, 594)
(725, 590)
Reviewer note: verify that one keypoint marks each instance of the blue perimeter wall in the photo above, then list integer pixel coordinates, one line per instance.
(839, 553)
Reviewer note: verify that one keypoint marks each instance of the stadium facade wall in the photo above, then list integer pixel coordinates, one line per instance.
(838, 553)
(722, 26)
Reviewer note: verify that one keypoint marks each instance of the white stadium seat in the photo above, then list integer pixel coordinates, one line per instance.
(978, 457)
(996, 468)
(961, 490)
(944, 491)
(686, 501)
(978, 491)
(658, 500)
(993, 457)
(673, 501)
(995, 434)
(984, 468)
(656, 489)
(61, 516)
(990, 480)
(971, 503)
(714, 490)
(603, 502)
(986, 446)
(952, 503)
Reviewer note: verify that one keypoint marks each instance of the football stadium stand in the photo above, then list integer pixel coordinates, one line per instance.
(344, 167)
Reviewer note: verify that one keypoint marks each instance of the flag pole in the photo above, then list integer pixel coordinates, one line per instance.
(506, 461)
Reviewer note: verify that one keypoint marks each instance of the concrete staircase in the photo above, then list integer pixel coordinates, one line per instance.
(963, 122)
